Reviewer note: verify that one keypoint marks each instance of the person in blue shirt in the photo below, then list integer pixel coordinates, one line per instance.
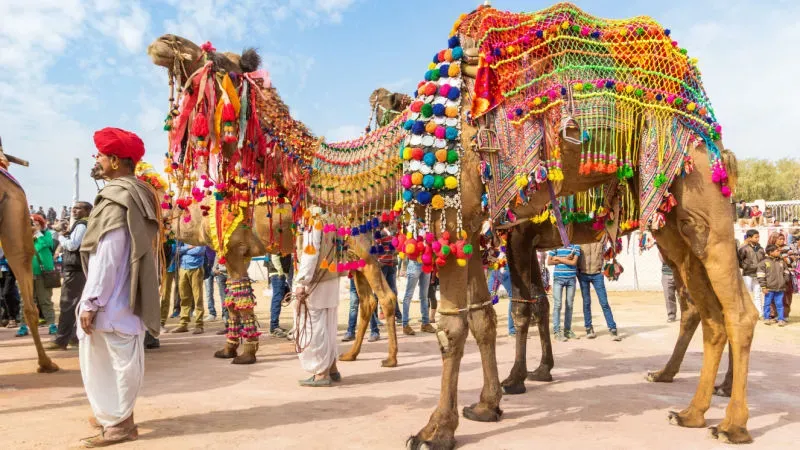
(190, 286)
(171, 257)
(565, 260)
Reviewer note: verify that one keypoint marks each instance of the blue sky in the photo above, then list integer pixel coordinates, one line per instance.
(69, 67)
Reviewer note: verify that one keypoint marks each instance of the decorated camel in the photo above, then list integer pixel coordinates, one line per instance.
(241, 221)
(581, 102)
(16, 239)
(565, 102)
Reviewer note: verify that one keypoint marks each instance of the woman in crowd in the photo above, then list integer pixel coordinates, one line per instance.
(790, 257)
(42, 262)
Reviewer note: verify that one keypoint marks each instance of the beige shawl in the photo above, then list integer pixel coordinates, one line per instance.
(131, 203)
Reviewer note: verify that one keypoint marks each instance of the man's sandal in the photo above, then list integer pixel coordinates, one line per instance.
(101, 440)
(311, 382)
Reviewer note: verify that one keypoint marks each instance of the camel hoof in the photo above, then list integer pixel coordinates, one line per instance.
(347, 357)
(244, 358)
(722, 391)
(415, 443)
(742, 436)
(477, 413)
(514, 389)
(225, 353)
(697, 421)
(658, 377)
(540, 374)
(674, 419)
(50, 367)
(389, 362)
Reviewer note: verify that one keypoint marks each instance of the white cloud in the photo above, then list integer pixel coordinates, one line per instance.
(344, 133)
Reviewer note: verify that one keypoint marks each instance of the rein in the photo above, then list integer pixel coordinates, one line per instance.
(302, 318)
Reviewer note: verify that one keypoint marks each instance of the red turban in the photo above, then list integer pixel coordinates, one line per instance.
(123, 144)
(40, 220)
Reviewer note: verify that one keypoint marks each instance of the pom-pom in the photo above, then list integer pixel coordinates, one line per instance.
(427, 110)
(440, 132)
(451, 182)
(427, 258)
(407, 153)
(228, 113)
(424, 197)
(461, 262)
(451, 111)
(429, 158)
(405, 181)
(431, 127)
(437, 201)
(446, 250)
(417, 153)
(438, 110)
(453, 42)
(451, 133)
(407, 196)
(200, 125)
(355, 231)
(457, 53)
(468, 249)
(416, 178)
(438, 182)
(441, 261)
(427, 268)
(418, 127)
(453, 93)
(427, 180)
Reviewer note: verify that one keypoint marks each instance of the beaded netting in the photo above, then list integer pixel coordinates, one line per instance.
(626, 84)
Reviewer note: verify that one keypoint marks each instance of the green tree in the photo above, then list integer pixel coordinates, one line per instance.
(768, 180)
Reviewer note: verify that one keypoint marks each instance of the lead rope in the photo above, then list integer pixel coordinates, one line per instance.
(302, 318)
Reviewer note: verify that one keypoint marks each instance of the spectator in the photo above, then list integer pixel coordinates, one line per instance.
(221, 277)
(171, 258)
(750, 255)
(590, 272)
(432, 287)
(9, 294)
(208, 285)
(668, 284)
(772, 276)
(565, 260)
(280, 277)
(350, 334)
(64, 213)
(794, 232)
(755, 216)
(73, 277)
(41, 212)
(190, 282)
(42, 262)
(499, 276)
(789, 257)
(387, 256)
(416, 279)
(742, 213)
(51, 216)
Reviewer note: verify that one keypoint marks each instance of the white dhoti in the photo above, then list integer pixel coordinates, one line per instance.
(755, 290)
(112, 367)
(319, 336)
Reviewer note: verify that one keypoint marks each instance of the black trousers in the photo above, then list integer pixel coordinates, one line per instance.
(71, 291)
(9, 296)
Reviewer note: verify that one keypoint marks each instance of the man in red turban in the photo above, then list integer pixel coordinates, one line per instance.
(116, 147)
(120, 300)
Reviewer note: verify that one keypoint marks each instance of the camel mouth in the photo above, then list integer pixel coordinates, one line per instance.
(161, 53)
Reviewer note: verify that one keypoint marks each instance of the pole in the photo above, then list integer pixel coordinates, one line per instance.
(76, 188)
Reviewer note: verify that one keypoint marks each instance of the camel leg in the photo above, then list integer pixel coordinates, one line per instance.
(17, 239)
(515, 382)
(483, 324)
(233, 325)
(724, 389)
(690, 318)
(452, 332)
(541, 312)
(366, 306)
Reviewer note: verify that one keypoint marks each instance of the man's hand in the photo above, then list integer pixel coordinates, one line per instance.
(764, 290)
(87, 321)
(299, 290)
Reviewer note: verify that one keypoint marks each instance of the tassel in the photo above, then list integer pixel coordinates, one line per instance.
(324, 264)
(200, 125)
(310, 250)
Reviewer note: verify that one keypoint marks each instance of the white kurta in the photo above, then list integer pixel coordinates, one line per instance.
(319, 338)
(112, 357)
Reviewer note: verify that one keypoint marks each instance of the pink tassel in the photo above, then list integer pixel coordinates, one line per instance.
(726, 191)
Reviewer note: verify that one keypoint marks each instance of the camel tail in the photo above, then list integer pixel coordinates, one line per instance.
(732, 167)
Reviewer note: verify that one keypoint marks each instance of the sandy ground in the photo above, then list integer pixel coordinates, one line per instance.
(599, 398)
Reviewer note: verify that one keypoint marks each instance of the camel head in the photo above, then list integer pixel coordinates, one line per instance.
(387, 105)
(183, 57)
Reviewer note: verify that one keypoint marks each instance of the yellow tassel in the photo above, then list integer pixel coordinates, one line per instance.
(318, 225)
(332, 268)
(310, 250)
(324, 264)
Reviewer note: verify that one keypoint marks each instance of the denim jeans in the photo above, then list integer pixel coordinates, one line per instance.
(505, 281)
(560, 285)
(279, 289)
(351, 322)
(390, 273)
(416, 278)
(777, 298)
(596, 279)
(209, 290)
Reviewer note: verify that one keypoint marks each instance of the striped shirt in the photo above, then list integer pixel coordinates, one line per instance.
(389, 255)
(565, 270)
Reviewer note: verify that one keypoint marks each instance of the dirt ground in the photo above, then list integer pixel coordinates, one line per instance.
(599, 398)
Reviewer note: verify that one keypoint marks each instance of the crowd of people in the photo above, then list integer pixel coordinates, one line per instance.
(771, 273)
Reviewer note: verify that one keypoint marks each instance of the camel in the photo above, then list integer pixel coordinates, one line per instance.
(183, 58)
(695, 238)
(16, 238)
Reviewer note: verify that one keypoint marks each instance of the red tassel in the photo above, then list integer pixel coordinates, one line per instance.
(228, 114)
(200, 125)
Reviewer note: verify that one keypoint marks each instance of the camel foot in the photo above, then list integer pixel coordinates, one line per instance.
(723, 390)
(687, 419)
(415, 443)
(514, 384)
(48, 367)
(480, 413)
(389, 362)
(738, 436)
(349, 356)
(227, 352)
(659, 377)
(542, 373)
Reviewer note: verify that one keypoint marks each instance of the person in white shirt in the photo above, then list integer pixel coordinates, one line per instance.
(316, 292)
(120, 300)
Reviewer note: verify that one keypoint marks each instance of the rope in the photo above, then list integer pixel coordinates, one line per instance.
(454, 312)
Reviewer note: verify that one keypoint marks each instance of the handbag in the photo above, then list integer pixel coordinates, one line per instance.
(51, 278)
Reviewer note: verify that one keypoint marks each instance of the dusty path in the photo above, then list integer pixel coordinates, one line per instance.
(599, 398)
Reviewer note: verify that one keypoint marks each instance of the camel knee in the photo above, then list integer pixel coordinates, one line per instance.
(483, 323)
(451, 334)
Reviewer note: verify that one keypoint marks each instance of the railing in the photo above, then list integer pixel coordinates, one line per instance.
(785, 211)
